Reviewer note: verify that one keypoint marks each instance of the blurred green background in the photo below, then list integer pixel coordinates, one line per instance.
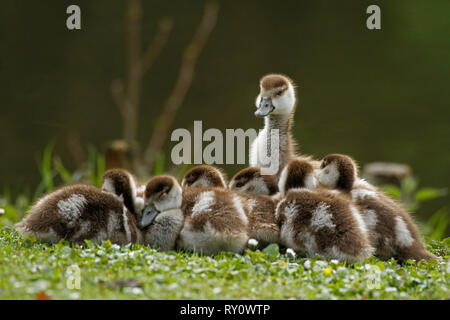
(378, 95)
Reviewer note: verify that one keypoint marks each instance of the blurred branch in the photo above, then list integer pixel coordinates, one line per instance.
(134, 21)
(155, 47)
(119, 97)
(75, 148)
(126, 94)
(182, 84)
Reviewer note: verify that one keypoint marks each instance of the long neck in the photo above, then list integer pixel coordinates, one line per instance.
(283, 124)
(277, 121)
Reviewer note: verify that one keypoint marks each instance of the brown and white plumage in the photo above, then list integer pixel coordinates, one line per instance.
(204, 176)
(259, 209)
(161, 219)
(124, 185)
(318, 222)
(259, 193)
(213, 219)
(393, 231)
(251, 181)
(77, 213)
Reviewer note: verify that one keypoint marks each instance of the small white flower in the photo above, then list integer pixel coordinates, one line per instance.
(74, 295)
(217, 290)
(134, 290)
(2, 211)
(252, 243)
(41, 285)
(342, 271)
(291, 253)
(307, 264)
(173, 286)
(447, 264)
(334, 261)
(321, 263)
(369, 267)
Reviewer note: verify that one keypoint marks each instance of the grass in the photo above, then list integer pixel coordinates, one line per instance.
(32, 270)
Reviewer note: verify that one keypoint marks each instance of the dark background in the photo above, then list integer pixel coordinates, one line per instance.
(375, 95)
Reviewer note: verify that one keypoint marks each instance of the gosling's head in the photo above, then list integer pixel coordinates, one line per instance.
(122, 184)
(162, 193)
(296, 174)
(276, 96)
(204, 176)
(251, 181)
(337, 171)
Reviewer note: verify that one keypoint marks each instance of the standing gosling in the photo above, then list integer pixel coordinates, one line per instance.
(393, 231)
(319, 222)
(276, 102)
(81, 212)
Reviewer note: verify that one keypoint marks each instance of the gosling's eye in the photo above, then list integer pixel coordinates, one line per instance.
(279, 93)
(239, 184)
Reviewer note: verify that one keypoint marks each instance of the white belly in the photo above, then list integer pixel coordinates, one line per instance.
(258, 144)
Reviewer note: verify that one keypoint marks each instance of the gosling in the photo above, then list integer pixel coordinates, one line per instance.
(317, 222)
(276, 102)
(393, 231)
(81, 212)
(213, 220)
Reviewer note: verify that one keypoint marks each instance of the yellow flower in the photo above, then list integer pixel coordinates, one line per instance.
(327, 271)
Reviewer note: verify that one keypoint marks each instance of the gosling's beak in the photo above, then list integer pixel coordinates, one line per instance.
(265, 107)
(149, 214)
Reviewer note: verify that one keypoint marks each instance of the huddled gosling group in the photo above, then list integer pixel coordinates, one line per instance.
(313, 207)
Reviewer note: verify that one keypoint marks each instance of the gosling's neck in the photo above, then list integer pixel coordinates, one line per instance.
(282, 122)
